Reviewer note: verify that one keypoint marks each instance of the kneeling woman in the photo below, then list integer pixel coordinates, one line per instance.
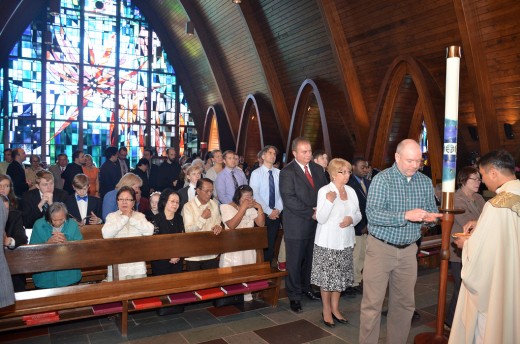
(337, 213)
(56, 228)
(125, 223)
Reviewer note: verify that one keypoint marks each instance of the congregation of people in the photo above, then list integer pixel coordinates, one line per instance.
(347, 229)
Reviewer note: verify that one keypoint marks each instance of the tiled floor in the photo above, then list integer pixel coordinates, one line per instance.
(251, 323)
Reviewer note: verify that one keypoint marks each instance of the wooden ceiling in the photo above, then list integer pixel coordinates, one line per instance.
(268, 48)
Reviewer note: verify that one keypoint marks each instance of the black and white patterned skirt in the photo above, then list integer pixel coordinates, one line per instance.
(332, 270)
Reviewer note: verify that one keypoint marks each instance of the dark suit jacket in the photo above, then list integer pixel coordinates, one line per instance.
(30, 201)
(109, 176)
(145, 188)
(14, 228)
(93, 204)
(17, 174)
(362, 197)
(299, 199)
(183, 197)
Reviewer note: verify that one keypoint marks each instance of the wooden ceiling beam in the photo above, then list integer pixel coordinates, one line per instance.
(283, 116)
(475, 57)
(345, 63)
(211, 48)
(171, 46)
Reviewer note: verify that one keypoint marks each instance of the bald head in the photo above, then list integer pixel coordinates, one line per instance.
(408, 157)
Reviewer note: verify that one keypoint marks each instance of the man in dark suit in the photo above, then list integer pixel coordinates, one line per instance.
(360, 184)
(110, 172)
(84, 208)
(153, 169)
(72, 169)
(300, 181)
(36, 202)
(16, 171)
(124, 163)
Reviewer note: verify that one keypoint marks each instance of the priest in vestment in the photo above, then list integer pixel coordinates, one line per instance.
(488, 307)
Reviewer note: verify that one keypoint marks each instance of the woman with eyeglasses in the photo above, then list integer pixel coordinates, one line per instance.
(337, 212)
(56, 228)
(168, 221)
(467, 198)
(124, 223)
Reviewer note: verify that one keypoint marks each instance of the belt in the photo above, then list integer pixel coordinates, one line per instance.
(389, 243)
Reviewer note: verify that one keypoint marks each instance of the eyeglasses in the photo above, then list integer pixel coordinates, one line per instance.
(476, 179)
(125, 200)
(345, 172)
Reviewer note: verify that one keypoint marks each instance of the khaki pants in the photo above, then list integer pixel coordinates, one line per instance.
(396, 268)
(359, 258)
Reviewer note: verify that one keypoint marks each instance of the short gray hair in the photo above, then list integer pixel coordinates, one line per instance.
(57, 207)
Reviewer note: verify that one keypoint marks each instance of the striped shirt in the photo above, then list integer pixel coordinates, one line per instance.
(390, 196)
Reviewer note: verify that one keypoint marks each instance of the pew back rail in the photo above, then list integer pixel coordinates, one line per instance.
(74, 302)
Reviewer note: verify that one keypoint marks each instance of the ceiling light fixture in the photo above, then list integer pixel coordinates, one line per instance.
(236, 1)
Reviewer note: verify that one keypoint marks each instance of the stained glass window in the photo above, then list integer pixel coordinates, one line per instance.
(103, 79)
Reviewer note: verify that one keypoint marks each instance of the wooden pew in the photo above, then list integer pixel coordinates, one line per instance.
(90, 232)
(75, 302)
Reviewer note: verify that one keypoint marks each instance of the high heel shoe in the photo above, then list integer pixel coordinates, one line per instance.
(329, 324)
(341, 321)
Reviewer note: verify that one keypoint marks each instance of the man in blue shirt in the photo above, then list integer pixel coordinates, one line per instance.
(230, 178)
(399, 201)
(265, 182)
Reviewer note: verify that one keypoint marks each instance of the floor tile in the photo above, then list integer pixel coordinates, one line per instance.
(246, 322)
(215, 341)
(206, 333)
(246, 337)
(296, 332)
(200, 317)
(31, 332)
(174, 338)
(223, 311)
(106, 337)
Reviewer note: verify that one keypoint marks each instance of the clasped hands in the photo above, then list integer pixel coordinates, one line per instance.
(57, 238)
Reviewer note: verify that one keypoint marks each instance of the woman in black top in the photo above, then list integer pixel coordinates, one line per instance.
(168, 222)
(15, 236)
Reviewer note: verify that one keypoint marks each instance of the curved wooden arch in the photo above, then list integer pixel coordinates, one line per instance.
(225, 139)
(307, 89)
(219, 74)
(250, 139)
(430, 104)
(209, 121)
(249, 11)
(257, 128)
(243, 134)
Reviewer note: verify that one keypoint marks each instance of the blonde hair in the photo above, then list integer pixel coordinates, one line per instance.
(336, 164)
(80, 181)
(130, 179)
